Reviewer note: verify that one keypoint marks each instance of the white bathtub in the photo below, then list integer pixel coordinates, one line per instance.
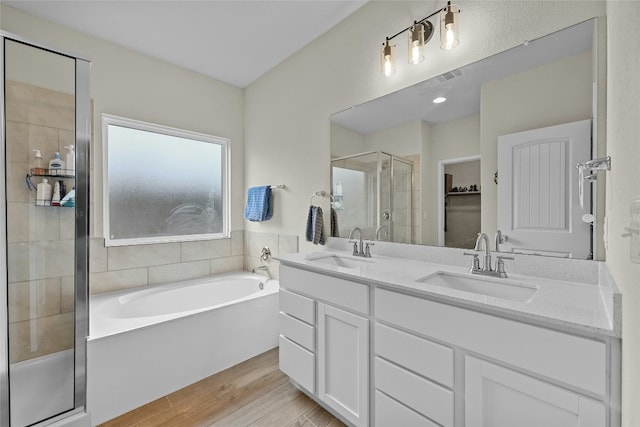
(147, 343)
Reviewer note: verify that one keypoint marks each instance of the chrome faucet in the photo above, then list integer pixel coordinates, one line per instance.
(384, 228)
(486, 269)
(360, 248)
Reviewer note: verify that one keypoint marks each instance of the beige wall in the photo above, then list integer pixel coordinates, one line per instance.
(297, 121)
(623, 185)
(403, 140)
(541, 98)
(449, 140)
(133, 85)
(345, 142)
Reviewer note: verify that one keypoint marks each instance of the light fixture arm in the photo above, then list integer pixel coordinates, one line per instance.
(419, 22)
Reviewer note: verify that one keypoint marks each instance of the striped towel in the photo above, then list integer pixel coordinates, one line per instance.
(259, 204)
(315, 226)
(335, 232)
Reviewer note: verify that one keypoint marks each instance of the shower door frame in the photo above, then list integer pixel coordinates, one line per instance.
(81, 250)
(392, 157)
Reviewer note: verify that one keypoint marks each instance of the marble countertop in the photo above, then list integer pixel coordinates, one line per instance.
(593, 307)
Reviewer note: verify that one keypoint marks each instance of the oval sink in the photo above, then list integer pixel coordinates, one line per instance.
(339, 261)
(498, 288)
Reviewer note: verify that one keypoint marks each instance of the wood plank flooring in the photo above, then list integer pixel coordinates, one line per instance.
(254, 393)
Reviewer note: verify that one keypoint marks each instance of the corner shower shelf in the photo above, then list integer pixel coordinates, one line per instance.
(48, 173)
(464, 193)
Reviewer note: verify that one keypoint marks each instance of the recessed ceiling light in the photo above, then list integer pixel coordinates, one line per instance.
(439, 100)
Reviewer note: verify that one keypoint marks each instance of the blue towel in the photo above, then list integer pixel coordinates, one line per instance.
(259, 204)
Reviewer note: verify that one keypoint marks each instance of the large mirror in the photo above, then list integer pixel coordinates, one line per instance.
(497, 153)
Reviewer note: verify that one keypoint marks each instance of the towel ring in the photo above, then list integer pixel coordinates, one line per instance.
(321, 194)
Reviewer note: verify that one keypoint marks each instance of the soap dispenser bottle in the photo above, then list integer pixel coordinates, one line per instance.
(56, 165)
(71, 160)
(37, 163)
(43, 193)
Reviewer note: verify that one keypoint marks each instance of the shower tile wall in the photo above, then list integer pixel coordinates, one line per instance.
(40, 292)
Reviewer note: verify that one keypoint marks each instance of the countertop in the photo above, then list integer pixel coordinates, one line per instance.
(592, 308)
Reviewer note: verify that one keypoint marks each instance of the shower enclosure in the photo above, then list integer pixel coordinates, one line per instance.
(373, 191)
(43, 287)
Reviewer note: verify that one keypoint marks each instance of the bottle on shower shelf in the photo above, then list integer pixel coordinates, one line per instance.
(56, 165)
(37, 163)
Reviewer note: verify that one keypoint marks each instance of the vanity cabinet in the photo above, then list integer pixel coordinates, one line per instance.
(388, 357)
(343, 362)
(514, 373)
(496, 396)
(297, 338)
(324, 340)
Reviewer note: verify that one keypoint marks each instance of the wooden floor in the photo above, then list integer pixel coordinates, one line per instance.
(253, 393)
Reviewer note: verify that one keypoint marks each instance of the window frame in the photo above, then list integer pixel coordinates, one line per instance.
(225, 144)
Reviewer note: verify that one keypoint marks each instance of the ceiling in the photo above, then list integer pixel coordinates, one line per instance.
(233, 41)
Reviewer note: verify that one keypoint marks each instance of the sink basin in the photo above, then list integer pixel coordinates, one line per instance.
(339, 261)
(493, 287)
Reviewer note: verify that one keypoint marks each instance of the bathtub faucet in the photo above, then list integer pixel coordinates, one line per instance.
(261, 268)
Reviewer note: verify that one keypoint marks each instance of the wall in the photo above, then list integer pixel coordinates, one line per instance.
(448, 140)
(132, 85)
(296, 122)
(623, 144)
(550, 100)
(345, 142)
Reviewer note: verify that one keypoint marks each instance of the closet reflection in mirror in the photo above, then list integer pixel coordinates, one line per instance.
(512, 102)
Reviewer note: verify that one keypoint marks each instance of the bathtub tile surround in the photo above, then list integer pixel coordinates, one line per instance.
(279, 244)
(121, 267)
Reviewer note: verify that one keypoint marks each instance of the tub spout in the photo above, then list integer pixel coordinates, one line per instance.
(261, 268)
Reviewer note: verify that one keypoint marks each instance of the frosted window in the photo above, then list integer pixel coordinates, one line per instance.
(163, 184)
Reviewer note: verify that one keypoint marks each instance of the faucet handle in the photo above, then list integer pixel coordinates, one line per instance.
(355, 246)
(367, 250)
(475, 263)
(500, 265)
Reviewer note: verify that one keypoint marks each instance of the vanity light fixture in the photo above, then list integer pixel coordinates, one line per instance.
(449, 27)
(419, 35)
(387, 59)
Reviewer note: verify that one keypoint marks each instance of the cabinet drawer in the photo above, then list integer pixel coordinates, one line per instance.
(298, 364)
(571, 359)
(423, 396)
(427, 358)
(343, 293)
(298, 306)
(391, 413)
(298, 332)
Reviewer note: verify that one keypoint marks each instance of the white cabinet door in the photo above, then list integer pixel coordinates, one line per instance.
(499, 397)
(343, 363)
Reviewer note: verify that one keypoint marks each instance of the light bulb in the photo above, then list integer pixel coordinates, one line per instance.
(449, 27)
(386, 59)
(450, 37)
(416, 43)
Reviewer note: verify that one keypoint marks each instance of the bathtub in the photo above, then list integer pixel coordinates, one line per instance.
(148, 342)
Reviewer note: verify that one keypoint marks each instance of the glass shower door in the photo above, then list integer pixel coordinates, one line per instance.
(402, 201)
(40, 124)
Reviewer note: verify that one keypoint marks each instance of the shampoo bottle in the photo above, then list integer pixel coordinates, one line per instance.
(56, 164)
(37, 163)
(71, 160)
(43, 193)
(55, 200)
